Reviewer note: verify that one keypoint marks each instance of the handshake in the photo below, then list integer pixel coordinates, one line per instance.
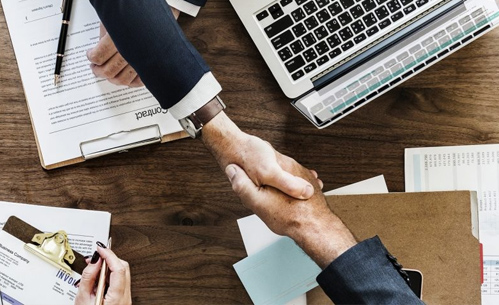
(284, 194)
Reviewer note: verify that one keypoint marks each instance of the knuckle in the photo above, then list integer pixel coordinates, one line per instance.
(126, 76)
(95, 57)
(126, 265)
(238, 186)
(114, 81)
(137, 82)
(108, 73)
(121, 61)
(121, 271)
(119, 80)
(268, 171)
(86, 275)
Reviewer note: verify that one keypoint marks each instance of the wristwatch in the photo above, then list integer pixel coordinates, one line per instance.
(193, 124)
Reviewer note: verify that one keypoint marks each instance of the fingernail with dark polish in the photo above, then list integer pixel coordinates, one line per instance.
(101, 245)
(87, 257)
(95, 258)
(77, 283)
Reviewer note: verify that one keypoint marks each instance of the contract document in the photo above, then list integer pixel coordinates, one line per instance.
(83, 116)
(27, 279)
(473, 167)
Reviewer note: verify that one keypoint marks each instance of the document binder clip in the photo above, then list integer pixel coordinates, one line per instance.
(120, 141)
(54, 248)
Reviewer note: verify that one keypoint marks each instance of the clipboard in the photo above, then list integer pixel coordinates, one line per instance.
(54, 247)
(116, 142)
(122, 118)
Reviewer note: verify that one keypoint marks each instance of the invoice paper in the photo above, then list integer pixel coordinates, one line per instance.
(473, 167)
(81, 108)
(27, 279)
(21, 272)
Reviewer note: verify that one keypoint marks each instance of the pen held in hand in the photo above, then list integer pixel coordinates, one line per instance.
(66, 15)
(101, 285)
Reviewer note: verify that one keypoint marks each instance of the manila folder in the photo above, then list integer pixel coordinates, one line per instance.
(430, 232)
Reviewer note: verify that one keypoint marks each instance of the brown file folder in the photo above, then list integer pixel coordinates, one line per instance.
(431, 232)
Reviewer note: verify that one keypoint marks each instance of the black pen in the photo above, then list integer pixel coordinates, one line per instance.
(66, 14)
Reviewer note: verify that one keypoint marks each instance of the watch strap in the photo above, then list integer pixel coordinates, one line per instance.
(204, 114)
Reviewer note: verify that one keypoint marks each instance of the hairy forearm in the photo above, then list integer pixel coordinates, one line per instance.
(323, 239)
(219, 136)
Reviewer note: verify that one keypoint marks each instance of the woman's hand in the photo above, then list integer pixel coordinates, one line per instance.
(119, 291)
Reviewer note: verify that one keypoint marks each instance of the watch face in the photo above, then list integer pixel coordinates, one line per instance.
(188, 126)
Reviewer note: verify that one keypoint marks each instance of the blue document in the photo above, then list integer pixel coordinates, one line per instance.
(277, 274)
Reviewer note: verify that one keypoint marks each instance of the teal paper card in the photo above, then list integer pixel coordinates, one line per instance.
(278, 274)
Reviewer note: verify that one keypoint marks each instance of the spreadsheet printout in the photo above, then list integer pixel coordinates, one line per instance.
(473, 167)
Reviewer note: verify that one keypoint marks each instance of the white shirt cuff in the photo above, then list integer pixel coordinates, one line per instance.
(184, 7)
(204, 91)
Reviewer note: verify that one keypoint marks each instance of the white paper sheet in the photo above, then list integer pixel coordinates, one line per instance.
(82, 107)
(476, 168)
(375, 185)
(257, 236)
(26, 279)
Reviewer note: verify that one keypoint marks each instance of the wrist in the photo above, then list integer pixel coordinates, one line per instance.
(323, 238)
(221, 136)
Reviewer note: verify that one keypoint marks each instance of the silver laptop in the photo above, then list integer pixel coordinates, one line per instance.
(331, 57)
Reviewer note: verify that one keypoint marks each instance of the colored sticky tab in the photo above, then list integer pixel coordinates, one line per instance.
(278, 273)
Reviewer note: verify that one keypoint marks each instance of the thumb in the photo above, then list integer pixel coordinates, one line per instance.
(288, 183)
(242, 185)
(88, 278)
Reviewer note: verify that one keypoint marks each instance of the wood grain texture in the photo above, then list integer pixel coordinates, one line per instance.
(174, 213)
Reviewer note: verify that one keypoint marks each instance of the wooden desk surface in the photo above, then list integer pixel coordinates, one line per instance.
(174, 213)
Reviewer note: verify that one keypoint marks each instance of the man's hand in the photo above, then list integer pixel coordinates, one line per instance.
(310, 223)
(107, 62)
(263, 164)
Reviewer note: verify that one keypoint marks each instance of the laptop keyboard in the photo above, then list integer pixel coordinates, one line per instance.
(401, 65)
(307, 34)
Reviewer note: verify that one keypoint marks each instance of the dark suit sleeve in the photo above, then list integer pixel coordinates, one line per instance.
(365, 275)
(150, 39)
(197, 2)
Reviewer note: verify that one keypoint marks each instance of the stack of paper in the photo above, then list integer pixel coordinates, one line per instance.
(473, 167)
